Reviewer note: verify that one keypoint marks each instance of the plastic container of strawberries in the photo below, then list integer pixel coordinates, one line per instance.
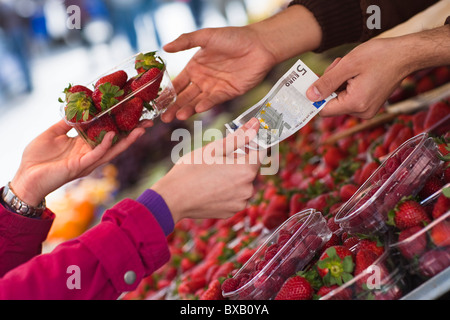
(401, 174)
(384, 279)
(287, 250)
(151, 108)
(427, 250)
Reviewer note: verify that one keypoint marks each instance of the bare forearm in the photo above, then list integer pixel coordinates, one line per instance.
(428, 48)
(289, 33)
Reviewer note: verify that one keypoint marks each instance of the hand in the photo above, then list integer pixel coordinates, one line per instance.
(53, 159)
(231, 61)
(215, 181)
(371, 73)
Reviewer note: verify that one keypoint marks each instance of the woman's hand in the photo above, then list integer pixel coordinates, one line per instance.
(53, 159)
(215, 181)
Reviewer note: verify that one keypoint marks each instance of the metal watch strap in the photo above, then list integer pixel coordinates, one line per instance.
(19, 206)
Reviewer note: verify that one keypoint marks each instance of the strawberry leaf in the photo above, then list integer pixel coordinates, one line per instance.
(446, 192)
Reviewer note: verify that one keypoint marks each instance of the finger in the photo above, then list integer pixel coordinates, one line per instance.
(123, 144)
(170, 113)
(329, 82)
(185, 101)
(344, 103)
(332, 65)
(187, 41)
(146, 123)
(181, 81)
(60, 128)
(96, 154)
(241, 137)
(207, 101)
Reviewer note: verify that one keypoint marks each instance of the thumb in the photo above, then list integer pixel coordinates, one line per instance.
(241, 137)
(330, 81)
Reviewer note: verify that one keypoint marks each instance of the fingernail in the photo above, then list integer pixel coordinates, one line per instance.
(313, 94)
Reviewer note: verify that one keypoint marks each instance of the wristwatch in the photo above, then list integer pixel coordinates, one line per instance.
(19, 206)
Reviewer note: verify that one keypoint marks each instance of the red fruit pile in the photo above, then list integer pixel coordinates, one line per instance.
(124, 98)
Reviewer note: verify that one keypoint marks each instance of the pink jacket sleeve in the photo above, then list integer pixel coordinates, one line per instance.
(107, 260)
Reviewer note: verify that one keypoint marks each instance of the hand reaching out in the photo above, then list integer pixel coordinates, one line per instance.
(230, 61)
(54, 159)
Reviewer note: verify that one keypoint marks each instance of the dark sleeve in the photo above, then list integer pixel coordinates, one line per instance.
(345, 21)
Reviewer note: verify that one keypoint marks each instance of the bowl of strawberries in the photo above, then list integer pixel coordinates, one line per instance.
(287, 250)
(402, 173)
(127, 96)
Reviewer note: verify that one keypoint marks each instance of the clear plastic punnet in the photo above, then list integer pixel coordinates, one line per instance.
(384, 279)
(288, 250)
(426, 249)
(156, 93)
(401, 174)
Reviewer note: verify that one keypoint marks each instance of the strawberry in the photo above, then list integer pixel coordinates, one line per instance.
(276, 211)
(271, 251)
(344, 294)
(441, 206)
(295, 288)
(363, 260)
(391, 133)
(213, 292)
(347, 191)
(266, 286)
(127, 114)
(334, 241)
(414, 246)
(80, 107)
(434, 261)
(418, 121)
(117, 78)
(151, 80)
(74, 89)
(288, 267)
(97, 130)
(146, 61)
(442, 75)
(296, 204)
(107, 95)
(230, 284)
(436, 112)
(440, 234)
(333, 156)
(409, 213)
(366, 172)
(320, 203)
(223, 270)
(425, 84)
(403, 135)
(432, 185)
(351, 242)
(335, 265)
(371, 245)
(245, 255)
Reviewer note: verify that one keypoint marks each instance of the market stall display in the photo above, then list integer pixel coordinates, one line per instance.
(408, 156)
(335, 183)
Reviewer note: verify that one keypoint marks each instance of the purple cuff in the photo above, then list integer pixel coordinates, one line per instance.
(158, 207)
